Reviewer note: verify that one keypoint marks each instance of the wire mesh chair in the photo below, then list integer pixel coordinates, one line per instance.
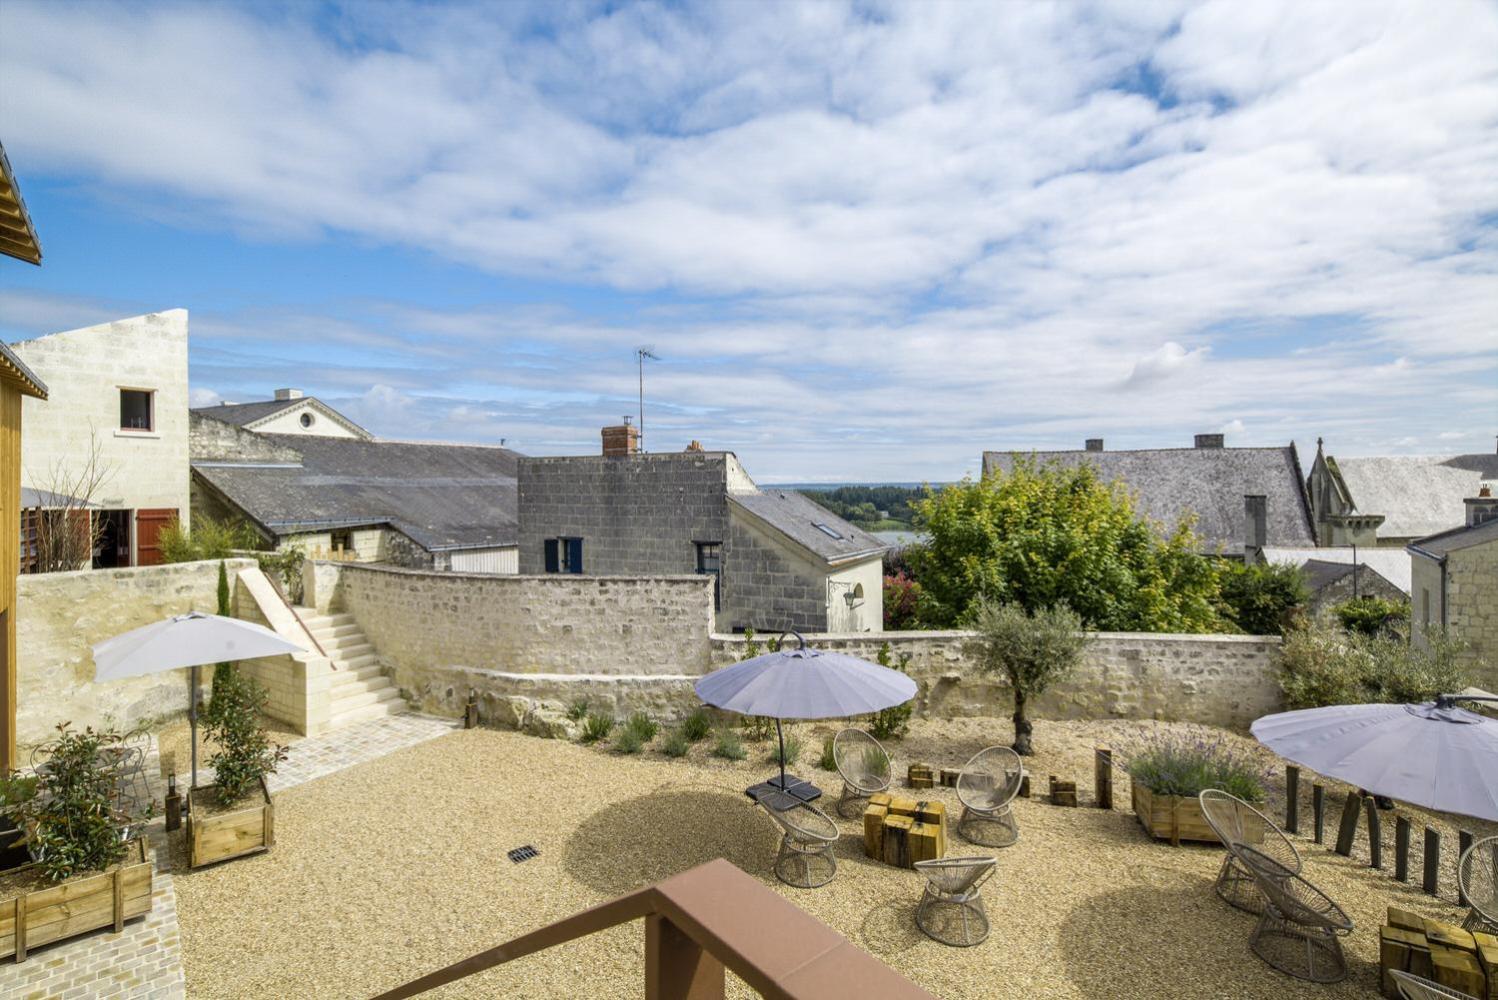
(1238, 824)
(1477, 875)
(951, 909)
(1412, 987)
(863, 765)
(1300, 928)
(986, 787)
(805, 859)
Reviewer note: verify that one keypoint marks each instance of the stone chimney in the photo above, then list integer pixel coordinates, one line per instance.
(621, 440)
(284, 394)
(1255, 526)
(1094, 444)
(1209, 441)
(1482, 508)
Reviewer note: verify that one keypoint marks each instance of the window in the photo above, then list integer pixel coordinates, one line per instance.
(137, 410)
(564, 555)
(827, 530)
(342, 540)
(709, 560)
(307, 419)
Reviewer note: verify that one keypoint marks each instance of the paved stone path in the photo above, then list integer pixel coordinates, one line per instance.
(144, 962)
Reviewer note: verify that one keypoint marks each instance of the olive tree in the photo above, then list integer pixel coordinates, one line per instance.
(1032, 649)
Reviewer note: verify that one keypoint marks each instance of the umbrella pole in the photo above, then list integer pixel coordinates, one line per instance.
(781, 737)
(192, 722)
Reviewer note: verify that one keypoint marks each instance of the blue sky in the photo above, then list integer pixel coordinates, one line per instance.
(867, 240)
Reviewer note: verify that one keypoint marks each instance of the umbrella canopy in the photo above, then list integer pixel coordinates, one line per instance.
(1433, 755)
(188, 640)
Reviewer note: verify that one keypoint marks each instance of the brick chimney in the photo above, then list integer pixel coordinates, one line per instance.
(1482, 508)
(1255, 526)
(282, 395)
(1209, 441)
(621, 440)
(1094, 444)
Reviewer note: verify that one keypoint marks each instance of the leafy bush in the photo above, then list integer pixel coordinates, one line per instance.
(828, 760)
(1185, 765)
(285, 566)
(69, 810)
(697, 726)
(792, 750)
(1262, 598)
(1371, 615)
(597, 726)
(578, 710)
(729, 746)
(676, 743)
(642, 726)
(245, 753)
(894, 722)
(208, 539)
(1322, 665)
(629, 741)
(904, 600)
(1032, 650)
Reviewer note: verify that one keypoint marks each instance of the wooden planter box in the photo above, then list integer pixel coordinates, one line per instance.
(220, 836)
(1172, 817)
(77, 906)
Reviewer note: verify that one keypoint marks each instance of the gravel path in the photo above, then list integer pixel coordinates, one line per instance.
(395, 867)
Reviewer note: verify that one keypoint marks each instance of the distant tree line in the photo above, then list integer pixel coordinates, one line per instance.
(872, 508)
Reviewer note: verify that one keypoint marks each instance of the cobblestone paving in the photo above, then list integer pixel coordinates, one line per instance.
(144, 962)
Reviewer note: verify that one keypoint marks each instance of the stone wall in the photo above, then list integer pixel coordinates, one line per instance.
(63, 614)
(1221, 680)
(211, 440)
(768, 585)
(1472, 608)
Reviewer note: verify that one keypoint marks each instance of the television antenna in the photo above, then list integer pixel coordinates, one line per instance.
(641, 353)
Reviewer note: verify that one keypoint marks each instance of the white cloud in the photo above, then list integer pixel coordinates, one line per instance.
(203, 397)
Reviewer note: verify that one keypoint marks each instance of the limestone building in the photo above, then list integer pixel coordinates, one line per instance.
(779, 561)
(107, 448)
(1454, 585)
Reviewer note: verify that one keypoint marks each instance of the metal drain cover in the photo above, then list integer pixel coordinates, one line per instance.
(525, 853)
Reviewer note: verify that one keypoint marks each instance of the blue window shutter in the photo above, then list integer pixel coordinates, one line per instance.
(575, 555)
(551, 555)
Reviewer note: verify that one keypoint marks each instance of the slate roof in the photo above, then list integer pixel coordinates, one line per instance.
(1418, 495)
(796, 517)
(442, 496)
(245, 414)
(1439, 545)
(1209, 482)
(1393, 564)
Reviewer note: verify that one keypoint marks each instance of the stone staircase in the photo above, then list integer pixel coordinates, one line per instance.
(360, 690)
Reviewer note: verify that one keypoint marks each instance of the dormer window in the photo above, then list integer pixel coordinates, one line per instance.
(137, 410)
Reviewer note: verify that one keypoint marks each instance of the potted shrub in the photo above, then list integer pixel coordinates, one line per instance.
(234, 816)
(87, 870)
(1170, 771)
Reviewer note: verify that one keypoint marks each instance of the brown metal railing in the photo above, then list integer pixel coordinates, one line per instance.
(700, 923)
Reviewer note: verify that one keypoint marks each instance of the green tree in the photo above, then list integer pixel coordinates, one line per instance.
(208, 539)
(1262, 598)
(1038, 536)
(221, 671)
(1033, 650)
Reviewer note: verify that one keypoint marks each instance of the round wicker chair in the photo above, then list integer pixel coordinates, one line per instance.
(1413, 987)
(805, 859)
(1300, 929)
(1238, 824)
(986, 787)
(863, 765)
(951, 909)
(1477, 875)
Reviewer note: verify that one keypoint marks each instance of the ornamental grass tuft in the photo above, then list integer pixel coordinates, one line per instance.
(729, 746)
(597, 726)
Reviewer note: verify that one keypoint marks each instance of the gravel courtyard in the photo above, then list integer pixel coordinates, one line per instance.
(395, 867)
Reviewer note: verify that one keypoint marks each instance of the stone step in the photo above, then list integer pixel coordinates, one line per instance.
(345, 646)
(379, 710)
(326, 632)
(345, 701)
(364, 675)
(353, 664)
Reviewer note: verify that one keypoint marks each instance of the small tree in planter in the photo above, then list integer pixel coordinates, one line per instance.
(1032, 650)
(244, 822)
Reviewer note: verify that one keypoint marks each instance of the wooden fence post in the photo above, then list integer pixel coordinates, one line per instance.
(1402, 848)
(1292, 798)
(1102, 774)
(1375, 834)
(1318, 811)
(1432, 880)
(1347, 829)
(1463, 841)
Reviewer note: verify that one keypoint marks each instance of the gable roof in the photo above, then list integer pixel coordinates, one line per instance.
(14, 370)
(1418, 495)
(1320, 574)
(17, 234)
(1171, 483)
(1439, 545)
(1393, 564)
(251, 415)
(441, 496)
(810, 525)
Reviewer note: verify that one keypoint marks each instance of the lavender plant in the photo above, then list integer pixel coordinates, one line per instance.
(1187, 763)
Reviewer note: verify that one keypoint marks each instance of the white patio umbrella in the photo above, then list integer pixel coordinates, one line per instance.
(189, 640)
(1434, 755)
(804, 683)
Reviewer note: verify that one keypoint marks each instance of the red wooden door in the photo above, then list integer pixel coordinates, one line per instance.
(148, 525)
